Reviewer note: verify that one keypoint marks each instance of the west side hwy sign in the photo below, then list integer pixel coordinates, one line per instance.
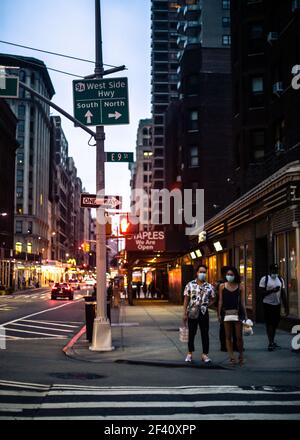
(101, 101)
(93, 201)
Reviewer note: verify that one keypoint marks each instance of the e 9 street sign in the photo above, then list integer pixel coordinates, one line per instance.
(101, 101)
(118, 157)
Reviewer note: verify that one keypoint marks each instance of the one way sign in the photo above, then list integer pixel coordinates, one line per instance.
(93, 201)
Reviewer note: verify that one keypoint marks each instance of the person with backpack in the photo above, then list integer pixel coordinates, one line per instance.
(232, 312)
(272, 288)
(198, 296)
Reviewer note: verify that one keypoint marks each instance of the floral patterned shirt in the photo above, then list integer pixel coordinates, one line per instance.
(199, 295)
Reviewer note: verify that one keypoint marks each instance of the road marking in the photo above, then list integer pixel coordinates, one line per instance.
(42, 328)
(37, 313)
(32, 333)
(139, 404)
(52, 323)
(12, 383)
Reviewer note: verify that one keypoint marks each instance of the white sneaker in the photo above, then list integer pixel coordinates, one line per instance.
(188, 358)
(206, 359)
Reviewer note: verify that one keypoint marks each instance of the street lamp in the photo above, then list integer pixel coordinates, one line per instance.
(3, 214)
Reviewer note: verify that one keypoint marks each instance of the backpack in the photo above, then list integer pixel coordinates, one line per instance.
(267, 280)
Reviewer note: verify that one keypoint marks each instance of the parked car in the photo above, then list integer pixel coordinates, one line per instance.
(75, 284)
(62, 290)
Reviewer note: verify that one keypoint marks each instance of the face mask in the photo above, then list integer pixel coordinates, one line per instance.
(201, 276)
(274, 276)
(230, 278)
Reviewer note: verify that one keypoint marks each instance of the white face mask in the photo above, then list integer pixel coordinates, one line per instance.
(230, 278)
(201, 276)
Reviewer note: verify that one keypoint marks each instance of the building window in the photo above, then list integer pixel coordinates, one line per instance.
(257, 85)
(226, 4)
(226, 40)
(19, 209)
(21, 111)
(19, 192)
(193, 156)
(193, 120)
(29, 248)
(20, 175)
(20, 158)
(19, 227)
(226, 21)
(256, 31)
(258, 145)
(19, 247)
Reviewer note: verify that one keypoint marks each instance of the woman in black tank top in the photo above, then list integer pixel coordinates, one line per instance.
(232, 311)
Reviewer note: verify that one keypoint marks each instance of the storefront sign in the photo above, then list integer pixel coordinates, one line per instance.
(152, 241)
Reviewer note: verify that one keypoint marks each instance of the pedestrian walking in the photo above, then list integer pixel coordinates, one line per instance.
(232, 312)
(198, 296)
(145, 289)
(272, 288)
(222, 337)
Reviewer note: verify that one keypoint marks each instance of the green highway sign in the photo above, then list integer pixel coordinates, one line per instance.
(101, 101)
(118, 157)
(9, 86)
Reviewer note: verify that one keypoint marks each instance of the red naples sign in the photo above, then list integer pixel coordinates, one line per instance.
(146, 241)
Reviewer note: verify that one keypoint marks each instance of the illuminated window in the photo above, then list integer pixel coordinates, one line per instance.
(18, 247)
(29, 248)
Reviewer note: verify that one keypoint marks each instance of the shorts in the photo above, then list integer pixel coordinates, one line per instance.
(272, 314)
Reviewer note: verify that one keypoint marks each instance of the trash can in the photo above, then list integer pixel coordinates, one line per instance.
(90, 313)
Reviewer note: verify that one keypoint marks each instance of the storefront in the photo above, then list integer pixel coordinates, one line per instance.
(258, 229)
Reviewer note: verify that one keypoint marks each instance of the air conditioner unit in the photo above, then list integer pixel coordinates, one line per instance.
(279, 147)
(278, 87)
(296, 5)
(272, 36)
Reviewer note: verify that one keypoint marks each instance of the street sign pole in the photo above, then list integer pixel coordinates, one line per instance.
(102, 339)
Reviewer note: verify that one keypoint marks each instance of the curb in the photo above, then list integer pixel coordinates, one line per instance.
(73, 341)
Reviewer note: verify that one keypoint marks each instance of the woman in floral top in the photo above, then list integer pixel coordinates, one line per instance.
(198, 296)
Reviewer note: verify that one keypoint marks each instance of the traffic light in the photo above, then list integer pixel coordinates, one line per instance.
(126, 227)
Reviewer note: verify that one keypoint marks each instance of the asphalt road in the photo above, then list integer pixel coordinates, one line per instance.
(33, 362)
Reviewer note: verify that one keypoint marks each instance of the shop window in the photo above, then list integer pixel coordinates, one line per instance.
(29, 248)
(212, 269)
(249, 275)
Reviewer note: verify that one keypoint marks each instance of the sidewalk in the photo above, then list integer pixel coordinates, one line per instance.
(149, 335)
(29, 291)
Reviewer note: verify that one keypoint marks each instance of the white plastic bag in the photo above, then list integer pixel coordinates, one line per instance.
(183, 334)
(248, 328)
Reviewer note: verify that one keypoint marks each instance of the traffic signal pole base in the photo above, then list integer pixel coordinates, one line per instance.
(102, 340)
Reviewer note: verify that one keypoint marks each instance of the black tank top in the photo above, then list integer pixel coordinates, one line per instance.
(231, 299)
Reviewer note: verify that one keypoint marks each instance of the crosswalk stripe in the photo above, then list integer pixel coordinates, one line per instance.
(139, 404)
(51, 323)
(30, 332)
(43, 328)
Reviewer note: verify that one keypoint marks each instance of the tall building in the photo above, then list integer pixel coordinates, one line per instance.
(141, 169)
(33, 156)
(8, 146)
(198, 135)
(59, 193)
(164, 76)
(176, 25)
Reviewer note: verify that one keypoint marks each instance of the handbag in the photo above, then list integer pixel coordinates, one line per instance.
(183, 334)
(231, 315)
